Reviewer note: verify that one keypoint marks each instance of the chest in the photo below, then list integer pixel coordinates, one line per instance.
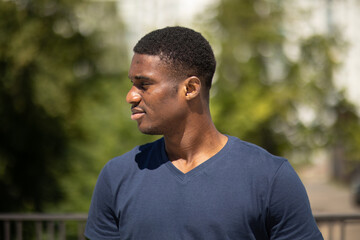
(219, 204)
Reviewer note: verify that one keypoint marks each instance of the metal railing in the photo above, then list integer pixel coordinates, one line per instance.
(337, 226)
(54, 226)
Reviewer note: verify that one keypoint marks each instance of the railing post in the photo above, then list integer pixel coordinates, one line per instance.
(342, 230)
(81, 231)
(331, 226)
(62, 231)
(38, 229)
(7, 230)
(50, 230)
(18, 230)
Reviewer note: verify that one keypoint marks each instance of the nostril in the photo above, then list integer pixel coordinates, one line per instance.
(133, 96)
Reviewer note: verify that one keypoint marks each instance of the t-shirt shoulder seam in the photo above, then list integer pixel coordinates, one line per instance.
(108, 183)
(284, 161)
(255, 147)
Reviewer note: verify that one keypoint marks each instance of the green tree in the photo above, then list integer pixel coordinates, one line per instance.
(45, 63)
(284, 103)
(103, 115)
(63, 115)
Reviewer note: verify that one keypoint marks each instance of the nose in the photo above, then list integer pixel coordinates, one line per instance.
(133, 97)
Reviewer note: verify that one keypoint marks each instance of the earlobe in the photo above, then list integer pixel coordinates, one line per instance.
(193, 87)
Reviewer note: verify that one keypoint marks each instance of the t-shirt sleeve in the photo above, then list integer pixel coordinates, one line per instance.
(290, 215)
(102, 222)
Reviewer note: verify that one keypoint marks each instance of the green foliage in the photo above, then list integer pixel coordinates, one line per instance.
(108, 132)
(63, 115)
(253, 91)
(46, 63)
(265, 95)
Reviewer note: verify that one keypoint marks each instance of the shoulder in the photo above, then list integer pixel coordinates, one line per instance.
(251, 156)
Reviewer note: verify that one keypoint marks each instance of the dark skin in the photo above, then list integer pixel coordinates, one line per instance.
(176, 107)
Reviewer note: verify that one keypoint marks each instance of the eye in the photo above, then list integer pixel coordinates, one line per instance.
(143, 85)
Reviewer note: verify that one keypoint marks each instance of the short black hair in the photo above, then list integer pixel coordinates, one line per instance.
(186, 50)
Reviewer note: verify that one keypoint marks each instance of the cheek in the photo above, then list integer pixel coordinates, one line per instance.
(164, 97)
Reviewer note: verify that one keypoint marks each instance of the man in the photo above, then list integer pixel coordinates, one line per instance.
(194, 183)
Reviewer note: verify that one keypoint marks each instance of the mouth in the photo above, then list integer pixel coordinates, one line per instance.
(137, 113)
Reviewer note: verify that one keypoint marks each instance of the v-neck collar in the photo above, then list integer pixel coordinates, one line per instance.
(185, 177)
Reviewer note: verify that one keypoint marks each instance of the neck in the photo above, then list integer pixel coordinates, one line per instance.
(196, 144)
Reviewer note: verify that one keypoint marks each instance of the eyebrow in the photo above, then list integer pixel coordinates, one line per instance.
(140, 77)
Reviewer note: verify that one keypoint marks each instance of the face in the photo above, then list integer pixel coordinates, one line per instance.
(155, 97)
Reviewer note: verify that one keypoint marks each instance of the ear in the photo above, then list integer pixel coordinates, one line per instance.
(192, 87)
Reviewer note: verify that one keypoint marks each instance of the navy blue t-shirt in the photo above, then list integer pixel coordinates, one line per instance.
(243, 192)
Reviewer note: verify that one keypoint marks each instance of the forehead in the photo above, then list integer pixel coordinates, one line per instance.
(147, 65)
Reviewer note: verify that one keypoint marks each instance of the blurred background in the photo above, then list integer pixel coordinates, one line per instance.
(287, 80)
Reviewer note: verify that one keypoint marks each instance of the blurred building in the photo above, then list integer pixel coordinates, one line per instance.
(143, 16)
(340, 17)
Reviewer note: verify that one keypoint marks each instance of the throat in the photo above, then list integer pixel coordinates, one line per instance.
(185, 166)
(192, 154)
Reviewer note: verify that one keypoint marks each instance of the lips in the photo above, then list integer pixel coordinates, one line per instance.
(137, 113)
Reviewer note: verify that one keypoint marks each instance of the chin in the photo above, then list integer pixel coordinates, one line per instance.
(150, 131)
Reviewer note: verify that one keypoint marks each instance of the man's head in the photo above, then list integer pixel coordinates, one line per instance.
(171, 74)
(187, 52)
